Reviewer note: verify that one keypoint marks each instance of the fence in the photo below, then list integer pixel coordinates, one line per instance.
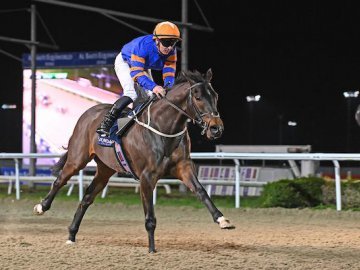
(236, 157)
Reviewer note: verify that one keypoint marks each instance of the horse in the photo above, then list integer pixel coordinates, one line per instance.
(155, 150)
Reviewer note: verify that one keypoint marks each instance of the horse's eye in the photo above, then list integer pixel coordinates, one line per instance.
(197, 94)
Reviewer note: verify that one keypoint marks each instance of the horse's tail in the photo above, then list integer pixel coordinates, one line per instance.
(55, 170)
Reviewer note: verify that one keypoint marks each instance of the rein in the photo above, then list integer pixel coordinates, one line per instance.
(197, 119)
(155, 130)
(198, 114)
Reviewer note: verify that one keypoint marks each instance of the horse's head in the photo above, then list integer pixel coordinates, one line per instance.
(203, 104)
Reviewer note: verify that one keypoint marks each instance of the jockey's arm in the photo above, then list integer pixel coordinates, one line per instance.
(169, 69)
(138, 74)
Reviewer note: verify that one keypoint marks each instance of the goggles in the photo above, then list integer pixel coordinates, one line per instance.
(168, 42)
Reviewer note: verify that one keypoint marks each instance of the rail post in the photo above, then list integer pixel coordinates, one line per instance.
(337, 184)
(81, 184)
(237, 183)
(17, 179)
(154, 195)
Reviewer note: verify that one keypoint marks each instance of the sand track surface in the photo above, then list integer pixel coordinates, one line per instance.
(113, 236)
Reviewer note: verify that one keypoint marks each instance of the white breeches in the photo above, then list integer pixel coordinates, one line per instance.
(122, 70)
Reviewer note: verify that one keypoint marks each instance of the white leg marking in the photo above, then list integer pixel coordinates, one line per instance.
(38, 209)
(69, 242)
(224, 223)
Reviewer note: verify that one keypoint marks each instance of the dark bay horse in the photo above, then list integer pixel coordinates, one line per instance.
(162, 149)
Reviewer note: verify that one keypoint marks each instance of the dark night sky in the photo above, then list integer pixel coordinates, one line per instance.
(300, 58)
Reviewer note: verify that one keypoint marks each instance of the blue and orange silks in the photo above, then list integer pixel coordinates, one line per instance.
(141, 54)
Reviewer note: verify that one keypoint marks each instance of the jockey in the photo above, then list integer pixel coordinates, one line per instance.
(134, 63)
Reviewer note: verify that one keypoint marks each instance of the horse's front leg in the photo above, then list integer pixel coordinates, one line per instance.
(146, 191)
(187, 173)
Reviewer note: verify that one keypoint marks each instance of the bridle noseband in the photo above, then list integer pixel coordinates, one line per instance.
(198, 119)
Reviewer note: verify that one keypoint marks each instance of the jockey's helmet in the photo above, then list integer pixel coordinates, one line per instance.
(165, 30)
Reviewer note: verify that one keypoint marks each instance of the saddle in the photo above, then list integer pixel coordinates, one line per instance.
(124, 122)
(126, 119)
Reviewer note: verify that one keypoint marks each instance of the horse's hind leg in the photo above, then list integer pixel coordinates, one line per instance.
(71, 167)
(103, 173)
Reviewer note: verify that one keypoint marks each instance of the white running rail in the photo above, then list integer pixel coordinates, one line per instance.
(334, 157)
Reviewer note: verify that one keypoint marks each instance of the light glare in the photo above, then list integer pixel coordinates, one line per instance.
(350, 94)
(255, 98)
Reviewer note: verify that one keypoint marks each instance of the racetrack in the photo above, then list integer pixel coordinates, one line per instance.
(112, 236)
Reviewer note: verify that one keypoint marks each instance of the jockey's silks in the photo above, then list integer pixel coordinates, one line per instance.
(141, 54)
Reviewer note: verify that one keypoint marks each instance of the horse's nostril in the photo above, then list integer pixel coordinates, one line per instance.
(215, 130)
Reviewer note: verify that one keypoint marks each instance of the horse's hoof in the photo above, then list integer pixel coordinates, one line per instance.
(152, 251)
(69, 242)
(38, 210)
(224, 223)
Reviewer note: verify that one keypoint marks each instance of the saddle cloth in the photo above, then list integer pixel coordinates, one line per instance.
(115, 142)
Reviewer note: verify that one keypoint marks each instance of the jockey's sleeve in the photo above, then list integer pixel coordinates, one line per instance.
(169, 69)
(137, 73)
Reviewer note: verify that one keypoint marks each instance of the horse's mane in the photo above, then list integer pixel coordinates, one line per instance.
(182, 77)
(193, 75)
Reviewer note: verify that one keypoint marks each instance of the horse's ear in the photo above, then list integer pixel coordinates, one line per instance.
(191, 81)
(209, 75)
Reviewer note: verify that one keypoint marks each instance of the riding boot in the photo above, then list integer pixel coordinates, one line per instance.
(112, 115)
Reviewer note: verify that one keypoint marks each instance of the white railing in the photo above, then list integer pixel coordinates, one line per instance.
(334, 157)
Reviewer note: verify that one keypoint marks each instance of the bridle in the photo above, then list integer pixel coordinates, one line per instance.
(198, 119)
